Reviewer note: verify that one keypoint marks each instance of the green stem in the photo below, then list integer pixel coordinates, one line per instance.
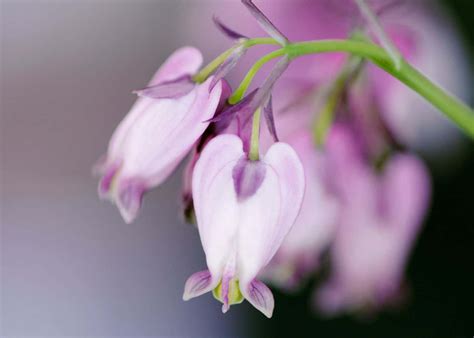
(214, 64)
(254, 139)
(324, 119)
(240, 91)
(451, 107)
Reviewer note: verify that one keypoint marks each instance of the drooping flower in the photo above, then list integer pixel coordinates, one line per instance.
(244, 209)
(160, 129)
(380, 219)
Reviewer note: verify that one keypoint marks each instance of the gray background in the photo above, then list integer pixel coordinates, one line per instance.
(69, 264)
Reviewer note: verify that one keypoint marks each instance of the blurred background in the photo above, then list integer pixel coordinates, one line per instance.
(69, 264)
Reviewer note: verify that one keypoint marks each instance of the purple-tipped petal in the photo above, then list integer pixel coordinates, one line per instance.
(108, 175)
(269, 119)
(226, 30)
(260, 296)
(248, 177)
(198, 284)
(169, 90)
(265, 23)
(228, 65)
(129, 198)
(231, 111)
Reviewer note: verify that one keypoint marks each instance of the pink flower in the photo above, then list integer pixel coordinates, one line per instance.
(158, 132)
(244, 209)
(380, 219)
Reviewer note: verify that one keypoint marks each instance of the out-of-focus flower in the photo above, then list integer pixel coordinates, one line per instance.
(244, 209)
(418, 29)
(380, 219)
(299, 255)
(158, 132)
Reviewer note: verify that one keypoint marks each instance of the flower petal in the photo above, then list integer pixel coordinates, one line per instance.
(198, 284)
(407, 189)
(166, 131)
(214, 199)
(184, 61)
(268, 215)
(265, 23)
(286, 163)
(129, 198)
(226, 30)
(260, 296)
(168, 90)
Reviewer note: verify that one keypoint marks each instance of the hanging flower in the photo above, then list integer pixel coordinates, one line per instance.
(244, 209)
(381, 217)
(161, 128)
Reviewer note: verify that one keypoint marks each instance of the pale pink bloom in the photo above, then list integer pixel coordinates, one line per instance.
(244, 209)
(158, 132)
(380, 219)
(313, 231)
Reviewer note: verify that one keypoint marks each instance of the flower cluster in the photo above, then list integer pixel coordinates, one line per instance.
(328, 181)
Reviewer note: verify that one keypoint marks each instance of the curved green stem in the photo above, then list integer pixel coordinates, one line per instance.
(457, 111)
(240, 91)
(214, 64)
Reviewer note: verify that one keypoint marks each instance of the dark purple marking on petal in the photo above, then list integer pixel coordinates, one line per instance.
(227, 66)
(269, 118)
(226, 30)
(265, 23)
(168, 90)
(248, 177)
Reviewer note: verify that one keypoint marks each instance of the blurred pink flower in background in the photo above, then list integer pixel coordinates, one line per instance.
(381, 216)
(424, 34)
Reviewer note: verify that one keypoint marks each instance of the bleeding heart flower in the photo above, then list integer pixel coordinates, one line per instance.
(244, 209)
(380, 219)
(158, 132)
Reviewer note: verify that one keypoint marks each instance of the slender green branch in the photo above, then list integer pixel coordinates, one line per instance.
(324, 119)
(457, 111)
(240, 91)
(214, 64)
(254, 139)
